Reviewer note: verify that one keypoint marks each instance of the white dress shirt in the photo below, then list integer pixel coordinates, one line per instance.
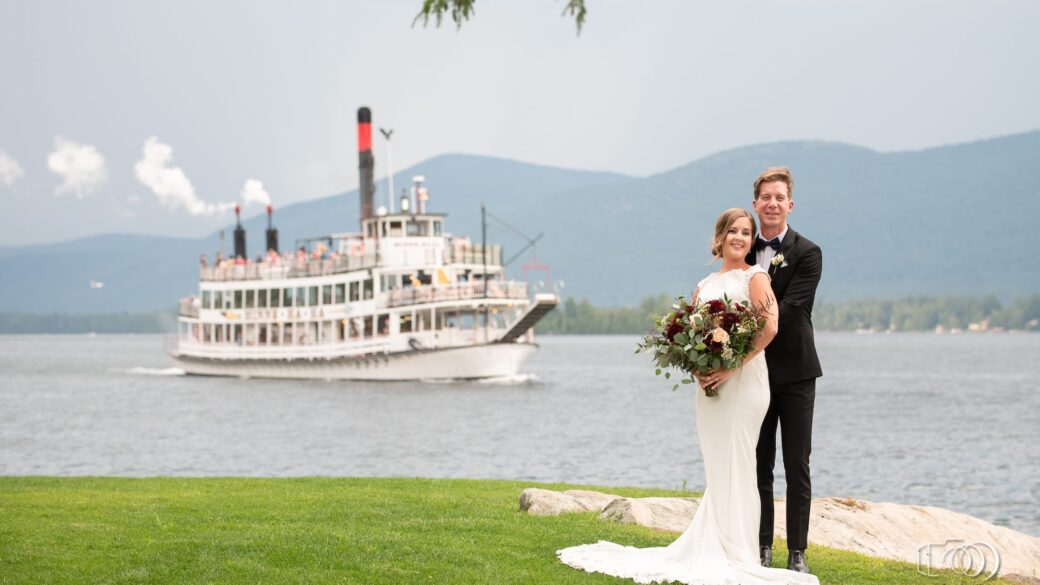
(764, 256)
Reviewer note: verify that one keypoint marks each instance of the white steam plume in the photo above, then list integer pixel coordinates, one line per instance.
(253, 192)
(81, 167)
(170, 184)
(10, 170)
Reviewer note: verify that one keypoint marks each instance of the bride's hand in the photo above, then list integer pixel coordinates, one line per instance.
(715, 378)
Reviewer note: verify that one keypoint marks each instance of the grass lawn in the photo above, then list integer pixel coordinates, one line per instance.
(318, 530)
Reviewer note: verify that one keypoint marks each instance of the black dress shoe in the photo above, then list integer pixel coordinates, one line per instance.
(796, 561)
(765, 555)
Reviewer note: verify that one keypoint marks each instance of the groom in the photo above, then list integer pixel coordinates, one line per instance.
(794, 265)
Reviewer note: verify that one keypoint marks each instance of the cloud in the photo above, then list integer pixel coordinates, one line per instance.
(81, 167)
(10, 170)
(253, 192)
(170, 184)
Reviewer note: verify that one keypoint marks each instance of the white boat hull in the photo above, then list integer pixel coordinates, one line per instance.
(468, 362)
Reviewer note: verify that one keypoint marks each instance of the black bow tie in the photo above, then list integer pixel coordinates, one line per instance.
(761, 244)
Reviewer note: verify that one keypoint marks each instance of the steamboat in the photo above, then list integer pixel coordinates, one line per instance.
(402, 299)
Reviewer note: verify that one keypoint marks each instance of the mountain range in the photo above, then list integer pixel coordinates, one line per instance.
(947, 220)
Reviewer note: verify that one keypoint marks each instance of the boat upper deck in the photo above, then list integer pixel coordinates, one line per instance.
(321, 263)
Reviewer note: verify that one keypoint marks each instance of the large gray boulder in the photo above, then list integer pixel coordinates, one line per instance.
(671, 514)
(539, 502)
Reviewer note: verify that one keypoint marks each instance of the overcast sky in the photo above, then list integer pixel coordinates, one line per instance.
(268, 91)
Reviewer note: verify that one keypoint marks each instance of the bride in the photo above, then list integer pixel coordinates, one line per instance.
(720, 547)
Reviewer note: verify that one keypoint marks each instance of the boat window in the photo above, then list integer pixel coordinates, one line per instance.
(250, 300)
(275, 297)
(448, 319)
(368, 289)
(276, 333)
(261, 299)
(466, 320)
(287, 297)
(238, 299)
(436, 227)
(355, 291)
(340, 295)
(384, 324)
(312, 296)
(418, 228)
(301, 296)
(207, 298)
(405, 325)
(395, 229)
(368, 326)
(207, 333)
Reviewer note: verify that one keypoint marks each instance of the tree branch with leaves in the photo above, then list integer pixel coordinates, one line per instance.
(462, 10)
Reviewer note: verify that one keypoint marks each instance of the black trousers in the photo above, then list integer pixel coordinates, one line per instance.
(790, 405)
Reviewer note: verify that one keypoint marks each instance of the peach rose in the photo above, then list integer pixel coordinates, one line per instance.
(719, 335)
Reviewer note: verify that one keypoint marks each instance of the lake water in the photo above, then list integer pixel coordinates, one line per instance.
(950, 421)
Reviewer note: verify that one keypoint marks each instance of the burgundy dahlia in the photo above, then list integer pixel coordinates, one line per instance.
(672, 330)
(730, 320)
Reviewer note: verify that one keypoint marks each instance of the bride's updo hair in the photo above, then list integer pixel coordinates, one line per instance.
(724, 222)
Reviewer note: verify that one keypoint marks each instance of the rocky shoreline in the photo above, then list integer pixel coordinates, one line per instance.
(885, 530)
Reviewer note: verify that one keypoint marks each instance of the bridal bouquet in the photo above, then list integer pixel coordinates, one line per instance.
(703, 337)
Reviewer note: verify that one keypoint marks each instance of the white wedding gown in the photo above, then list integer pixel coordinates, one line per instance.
(720, 547)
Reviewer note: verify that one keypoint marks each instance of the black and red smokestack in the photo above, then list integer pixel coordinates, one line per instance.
(366, 163)
(272, 233)
(240, 234)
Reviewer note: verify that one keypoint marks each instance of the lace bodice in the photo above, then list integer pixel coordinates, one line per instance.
(736, 284)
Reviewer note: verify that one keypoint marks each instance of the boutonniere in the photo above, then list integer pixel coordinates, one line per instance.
(778, 262)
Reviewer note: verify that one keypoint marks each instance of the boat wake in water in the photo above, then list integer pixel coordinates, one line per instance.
(512, 380)
(142, 371)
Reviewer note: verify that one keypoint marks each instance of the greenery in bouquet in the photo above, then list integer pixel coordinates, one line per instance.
(703, 337)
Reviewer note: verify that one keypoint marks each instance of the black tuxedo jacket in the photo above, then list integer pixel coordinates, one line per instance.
(791, 355)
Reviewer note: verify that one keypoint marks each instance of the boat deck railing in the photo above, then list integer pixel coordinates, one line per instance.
(455, 292)
(473, 254)
(295, 268)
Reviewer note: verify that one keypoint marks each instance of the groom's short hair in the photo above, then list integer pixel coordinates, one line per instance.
(775, 174)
